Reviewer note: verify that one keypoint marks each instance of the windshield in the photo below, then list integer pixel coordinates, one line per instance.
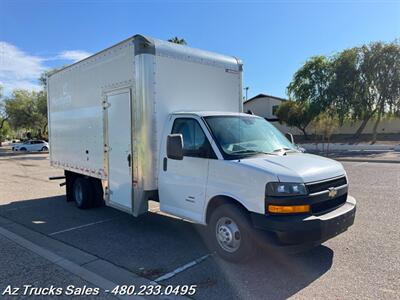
(243, 136)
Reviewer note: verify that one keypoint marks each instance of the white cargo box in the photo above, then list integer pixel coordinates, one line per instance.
(125, 93)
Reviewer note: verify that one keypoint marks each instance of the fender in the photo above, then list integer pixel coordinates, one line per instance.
(212, 198)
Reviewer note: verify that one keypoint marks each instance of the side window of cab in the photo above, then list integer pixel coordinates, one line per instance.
(195, 142)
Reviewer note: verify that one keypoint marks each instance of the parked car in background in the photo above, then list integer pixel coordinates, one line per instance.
(15, 143)
(31, 145)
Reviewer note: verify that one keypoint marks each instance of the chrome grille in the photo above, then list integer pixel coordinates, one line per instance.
(325, 185)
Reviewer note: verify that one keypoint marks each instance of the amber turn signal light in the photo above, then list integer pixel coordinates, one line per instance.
(288, 209)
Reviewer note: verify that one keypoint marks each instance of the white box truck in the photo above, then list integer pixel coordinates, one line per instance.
(151, 120)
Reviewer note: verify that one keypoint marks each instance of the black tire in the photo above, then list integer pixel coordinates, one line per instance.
(44, 148)
(22, 149)
(219, 227)
(83, 192)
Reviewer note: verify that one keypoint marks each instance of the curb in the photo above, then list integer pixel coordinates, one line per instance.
(352, 147)
(388, 161)
(357, 159)
(66, 264)
(92, 269)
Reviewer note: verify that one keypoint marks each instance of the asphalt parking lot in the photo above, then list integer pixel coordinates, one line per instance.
(364, 262)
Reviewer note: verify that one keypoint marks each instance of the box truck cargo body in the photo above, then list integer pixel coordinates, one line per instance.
(112, 107)
(152, 120)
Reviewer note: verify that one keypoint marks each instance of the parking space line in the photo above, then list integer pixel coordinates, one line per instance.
(181, 269)
(19, 207)
(81, 226)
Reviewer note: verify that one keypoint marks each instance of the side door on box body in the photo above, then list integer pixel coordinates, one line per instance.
(119, 154)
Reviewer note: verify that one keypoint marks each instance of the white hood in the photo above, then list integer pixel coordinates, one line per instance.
(297, 167)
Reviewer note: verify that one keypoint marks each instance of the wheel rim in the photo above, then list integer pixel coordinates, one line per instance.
(78, 193)
(228, 234)
(44, 149)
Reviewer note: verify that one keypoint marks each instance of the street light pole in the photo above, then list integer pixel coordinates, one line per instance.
(246, 90)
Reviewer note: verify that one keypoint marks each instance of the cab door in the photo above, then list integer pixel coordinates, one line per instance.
(182, 183)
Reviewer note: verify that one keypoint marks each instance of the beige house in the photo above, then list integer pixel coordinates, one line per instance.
(265, 106)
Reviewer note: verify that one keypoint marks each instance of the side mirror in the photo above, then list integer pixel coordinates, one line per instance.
(249, 112)
(301, 149)
(290, 137)
(175, 146)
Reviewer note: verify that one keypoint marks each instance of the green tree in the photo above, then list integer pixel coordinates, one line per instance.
(41, 118)
(310, 84)
(385, 80)
(3, 114)
(367, 83)
(296, 114)
(324, 125)
(4, 127)
(5, 131)
(177, 40)
(28, 110)
(361, 83)
(346, 88)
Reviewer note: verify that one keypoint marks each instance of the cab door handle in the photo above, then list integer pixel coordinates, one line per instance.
(165, 164)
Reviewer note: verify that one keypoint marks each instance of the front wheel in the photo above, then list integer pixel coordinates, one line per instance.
(44, 149)
(231, 232)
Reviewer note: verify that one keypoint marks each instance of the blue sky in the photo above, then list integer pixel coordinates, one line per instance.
(273, 38)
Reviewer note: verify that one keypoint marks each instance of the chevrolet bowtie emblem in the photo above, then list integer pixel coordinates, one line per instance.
(332, 192)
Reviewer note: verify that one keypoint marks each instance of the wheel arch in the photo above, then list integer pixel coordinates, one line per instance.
(219, 200)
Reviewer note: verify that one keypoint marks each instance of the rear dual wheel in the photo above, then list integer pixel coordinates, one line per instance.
(83, 192)
(87, 192)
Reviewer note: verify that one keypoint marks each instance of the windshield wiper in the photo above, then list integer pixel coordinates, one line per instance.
(285, 150)
(251, 152)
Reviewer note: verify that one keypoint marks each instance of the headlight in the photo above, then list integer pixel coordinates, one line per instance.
(285, 189)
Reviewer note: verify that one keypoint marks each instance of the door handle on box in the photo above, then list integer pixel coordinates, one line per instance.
(129, 160)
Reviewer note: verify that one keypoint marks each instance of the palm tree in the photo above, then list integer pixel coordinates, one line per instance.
(177, 40)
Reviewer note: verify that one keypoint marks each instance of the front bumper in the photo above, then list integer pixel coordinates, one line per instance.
(299, 232)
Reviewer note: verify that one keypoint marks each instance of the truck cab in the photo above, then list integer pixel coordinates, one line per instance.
(243, 178)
